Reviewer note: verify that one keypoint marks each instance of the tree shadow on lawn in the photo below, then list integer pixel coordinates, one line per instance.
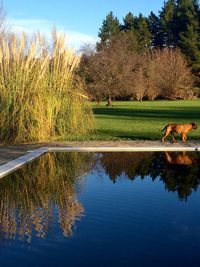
(191, 114)
(144, 135)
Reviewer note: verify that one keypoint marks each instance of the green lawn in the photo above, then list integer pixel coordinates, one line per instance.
(143, 120)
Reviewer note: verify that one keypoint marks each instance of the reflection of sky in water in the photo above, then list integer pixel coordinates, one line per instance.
(78, 209)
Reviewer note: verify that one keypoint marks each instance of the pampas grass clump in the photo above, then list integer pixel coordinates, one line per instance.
(39, 99)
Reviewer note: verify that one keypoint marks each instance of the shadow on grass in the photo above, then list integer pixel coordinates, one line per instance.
(191, 114)
(122, 135)
(143, 135)
(144, 123)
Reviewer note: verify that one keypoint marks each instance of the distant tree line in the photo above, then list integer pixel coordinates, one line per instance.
(146, 57)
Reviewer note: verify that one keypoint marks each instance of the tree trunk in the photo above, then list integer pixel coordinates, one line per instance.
(109, 104)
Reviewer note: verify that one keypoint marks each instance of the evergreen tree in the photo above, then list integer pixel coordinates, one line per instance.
(129, 22)
(154, 26)
(196, 6)
(128, 28)
(167, 25)
(143, 32)
(187, 21)
(110, 27)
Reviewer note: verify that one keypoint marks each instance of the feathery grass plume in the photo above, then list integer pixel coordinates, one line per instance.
(37, 99)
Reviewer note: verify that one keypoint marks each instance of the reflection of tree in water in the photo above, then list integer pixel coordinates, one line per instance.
(32, 197)
(180, 172)
(28, 197)
(129, 163)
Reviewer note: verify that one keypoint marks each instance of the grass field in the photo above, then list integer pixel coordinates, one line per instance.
(143, 120)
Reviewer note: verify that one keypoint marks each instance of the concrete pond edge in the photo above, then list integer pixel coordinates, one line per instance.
(31, 155)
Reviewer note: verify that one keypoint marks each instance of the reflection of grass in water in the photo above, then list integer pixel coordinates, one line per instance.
(28, 197)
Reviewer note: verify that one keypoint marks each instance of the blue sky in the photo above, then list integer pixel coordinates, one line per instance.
(80, 19)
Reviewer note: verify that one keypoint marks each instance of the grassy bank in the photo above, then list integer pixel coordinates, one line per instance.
(143, 120)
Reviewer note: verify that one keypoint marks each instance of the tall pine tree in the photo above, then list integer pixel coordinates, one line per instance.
(128, 28)
(167, 26)
(187, 21)
(110, 27)
(154, 26)
(143, 32)
(129, 22)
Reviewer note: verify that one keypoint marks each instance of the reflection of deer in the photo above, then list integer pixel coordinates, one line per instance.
(181, 158)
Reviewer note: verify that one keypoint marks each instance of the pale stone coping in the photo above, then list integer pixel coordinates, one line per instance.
(123, 149)
(19, 162)
(33, 154)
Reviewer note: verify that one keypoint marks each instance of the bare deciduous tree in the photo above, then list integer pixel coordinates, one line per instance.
(169, 74)
(140, 84)
(119, 71)
(152, 74)
(110, 71)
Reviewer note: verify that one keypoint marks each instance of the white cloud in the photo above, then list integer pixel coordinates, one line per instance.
(74, 39)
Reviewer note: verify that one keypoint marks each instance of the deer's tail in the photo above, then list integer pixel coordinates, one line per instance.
(164, 128)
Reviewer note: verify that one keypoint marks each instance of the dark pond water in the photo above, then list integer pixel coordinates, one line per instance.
(104, 209)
